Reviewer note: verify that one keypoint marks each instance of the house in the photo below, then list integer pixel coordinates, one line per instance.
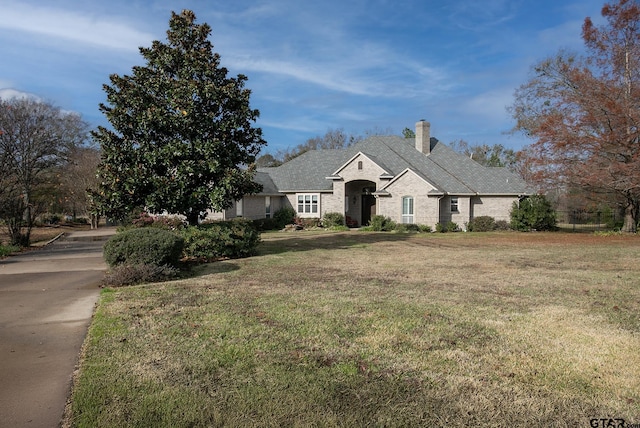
(421, 182)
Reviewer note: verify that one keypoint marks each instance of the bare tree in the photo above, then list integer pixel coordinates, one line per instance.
(332, 139)
(35, 139)
(484, 154)
(77, 177)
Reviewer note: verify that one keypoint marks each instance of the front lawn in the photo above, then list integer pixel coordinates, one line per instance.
(375, 329)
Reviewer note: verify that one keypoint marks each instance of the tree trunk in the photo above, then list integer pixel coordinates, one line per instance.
(631, 216)
(193, 218)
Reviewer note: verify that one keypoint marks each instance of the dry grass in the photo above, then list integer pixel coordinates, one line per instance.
(361, 329)
(41, 235)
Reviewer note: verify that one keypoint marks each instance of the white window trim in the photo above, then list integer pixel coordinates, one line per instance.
(409, 217)
(457, 204)
(267, 207)
(239, 208)
(310, 206)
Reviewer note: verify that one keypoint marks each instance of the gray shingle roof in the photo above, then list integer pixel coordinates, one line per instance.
(450, 172)
(268, 186)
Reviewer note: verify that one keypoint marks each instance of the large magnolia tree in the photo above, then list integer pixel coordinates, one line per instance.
(584, 113)
(183, 139)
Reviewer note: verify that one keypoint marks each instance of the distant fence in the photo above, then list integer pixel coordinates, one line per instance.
(580, 220)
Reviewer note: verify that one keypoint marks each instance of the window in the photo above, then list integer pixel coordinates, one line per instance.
(454, 204)
(407, 210)
(267, 207)
(239, 208)
(359, 165)
(307, 204)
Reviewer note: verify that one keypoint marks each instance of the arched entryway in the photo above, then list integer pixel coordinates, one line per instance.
(360, 204)
(368, 205)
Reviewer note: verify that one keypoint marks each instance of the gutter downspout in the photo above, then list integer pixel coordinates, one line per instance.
(439, 199)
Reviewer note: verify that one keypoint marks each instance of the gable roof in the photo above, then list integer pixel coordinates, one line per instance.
(450, 172)
(307, 171)
(368, 156)
(268, 186)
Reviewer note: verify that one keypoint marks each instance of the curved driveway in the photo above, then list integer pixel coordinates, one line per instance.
(47, 299)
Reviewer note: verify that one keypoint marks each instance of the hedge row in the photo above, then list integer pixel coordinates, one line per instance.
(151, 245)
(229, 239)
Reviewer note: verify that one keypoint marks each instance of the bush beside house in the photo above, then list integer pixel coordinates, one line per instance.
(225, 239)
(533, 213)
(482, 224)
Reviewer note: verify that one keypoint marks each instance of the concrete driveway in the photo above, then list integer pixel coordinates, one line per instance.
(47, 297)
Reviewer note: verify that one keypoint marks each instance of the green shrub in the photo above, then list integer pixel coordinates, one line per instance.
(380, 223)
(333, 219)
(406, 227)
(284, 216)
(262, 224)
(449, 227)
(339, 228)
(126, 274)
(146, 245)
(533, 213)
(482, 224)
(225, 239)
(6, 250)
(424, 228)
(50, 219)
(502, 225)
(612, 221)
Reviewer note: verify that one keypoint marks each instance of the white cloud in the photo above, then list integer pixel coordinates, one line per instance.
(309, 74)
(301, 124)
(72, 26)
(362, 76)
(478, 16)
(489, 107)
(328, 52)
(9, 94)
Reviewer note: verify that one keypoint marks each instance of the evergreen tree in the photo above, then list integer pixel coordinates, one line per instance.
(533, 213)
(182, 138)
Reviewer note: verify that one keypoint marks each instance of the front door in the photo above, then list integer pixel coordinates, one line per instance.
(368, 208)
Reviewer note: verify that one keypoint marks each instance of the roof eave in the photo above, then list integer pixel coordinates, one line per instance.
(307, 191)
(503, 194)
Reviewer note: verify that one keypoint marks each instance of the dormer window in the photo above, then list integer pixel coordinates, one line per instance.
(359, 165)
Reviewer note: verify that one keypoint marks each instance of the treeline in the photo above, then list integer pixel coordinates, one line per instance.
(488, 155)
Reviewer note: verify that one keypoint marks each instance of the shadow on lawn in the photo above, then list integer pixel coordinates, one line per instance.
(286, 242)
(295, 242)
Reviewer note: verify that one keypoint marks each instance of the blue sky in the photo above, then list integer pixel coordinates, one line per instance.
(361, 66)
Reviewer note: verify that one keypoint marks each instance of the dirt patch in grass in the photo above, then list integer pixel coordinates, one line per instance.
(361, 329)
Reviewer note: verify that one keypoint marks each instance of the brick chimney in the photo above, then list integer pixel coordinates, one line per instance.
(423, 137)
